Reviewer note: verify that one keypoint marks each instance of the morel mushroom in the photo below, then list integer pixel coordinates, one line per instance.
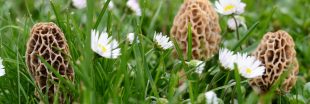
(204, 25)
(277, 53)
(48, 42)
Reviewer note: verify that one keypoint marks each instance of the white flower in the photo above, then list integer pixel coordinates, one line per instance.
(111, 5)
(211, 97)
(104, 45)
(131, 37)
(227, 58)
(80, 4)
(2, 71)
(232, 23)
(227, 7)
(199, 65)
(249, 66)
(162, 41)
(134, 6)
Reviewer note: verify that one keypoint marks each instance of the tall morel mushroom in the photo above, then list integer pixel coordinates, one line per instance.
(204, 25)
(277, 53)
(48, 41)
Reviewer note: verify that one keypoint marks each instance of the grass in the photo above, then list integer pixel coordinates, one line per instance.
(144, 74)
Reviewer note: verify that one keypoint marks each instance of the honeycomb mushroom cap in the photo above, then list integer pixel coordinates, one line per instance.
(204, 25)
(48, 41)
(277, 53)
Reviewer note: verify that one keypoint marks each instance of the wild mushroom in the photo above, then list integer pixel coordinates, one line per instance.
(277, 53)
(204, 25)
(48, 41)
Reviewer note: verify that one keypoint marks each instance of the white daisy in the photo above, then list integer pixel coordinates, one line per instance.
(227, 58)
(104, 45)
(211, 97)
(249, 66)
(232, 23)
(199, 65)
(80, 4)
(134, 6)
(2, 71)
(228, 7)
(131, 37)
(162, 41)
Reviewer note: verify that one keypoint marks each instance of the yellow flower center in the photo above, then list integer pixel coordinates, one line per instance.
(103, 48)
(229, 7)
(248, 71)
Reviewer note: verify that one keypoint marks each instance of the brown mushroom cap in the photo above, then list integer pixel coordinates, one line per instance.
(204, 25)
(48, 42)
(277, 53)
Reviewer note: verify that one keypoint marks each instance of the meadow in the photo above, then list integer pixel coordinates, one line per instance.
(144, 72)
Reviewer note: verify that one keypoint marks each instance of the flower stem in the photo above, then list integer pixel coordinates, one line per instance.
(237, 29)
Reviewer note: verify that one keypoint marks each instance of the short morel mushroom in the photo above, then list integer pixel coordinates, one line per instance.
(205, 27)
(48, 42)
(277, 53)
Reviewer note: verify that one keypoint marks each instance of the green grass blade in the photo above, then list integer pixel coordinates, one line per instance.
(105, 6)
(191, 92)
(238, 84)
(88, 55)
(178, 50)
(242, 40)
(153, 20)
(57, 14)
(189, 39)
